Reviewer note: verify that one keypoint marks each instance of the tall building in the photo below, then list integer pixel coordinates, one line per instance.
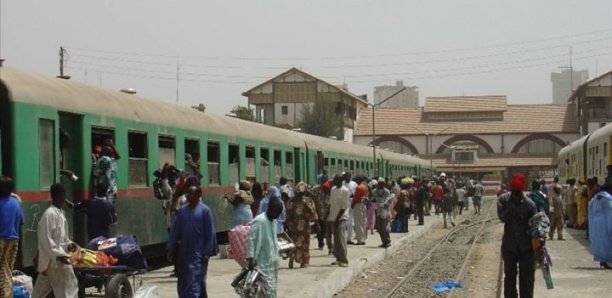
(405, 99)
(561, 84)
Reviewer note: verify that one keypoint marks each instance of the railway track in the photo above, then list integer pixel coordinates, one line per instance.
(446, 260)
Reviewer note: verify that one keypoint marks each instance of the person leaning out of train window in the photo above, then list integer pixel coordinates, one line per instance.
(108, 142)
(106, 172)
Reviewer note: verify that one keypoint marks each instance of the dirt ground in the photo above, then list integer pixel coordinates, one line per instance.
(480, 279)
(482, 275)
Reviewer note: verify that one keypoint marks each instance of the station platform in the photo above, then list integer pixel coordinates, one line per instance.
(574, 272)
(320, 279)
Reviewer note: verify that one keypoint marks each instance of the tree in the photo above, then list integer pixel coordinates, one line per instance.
(243, 112)
(322, 120)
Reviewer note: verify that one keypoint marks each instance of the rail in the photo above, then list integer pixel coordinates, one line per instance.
(452, 232)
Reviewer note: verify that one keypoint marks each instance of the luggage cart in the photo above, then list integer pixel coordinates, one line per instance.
(114, 279)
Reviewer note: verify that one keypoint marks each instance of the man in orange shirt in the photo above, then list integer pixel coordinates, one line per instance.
(359, 210)
(436, 193)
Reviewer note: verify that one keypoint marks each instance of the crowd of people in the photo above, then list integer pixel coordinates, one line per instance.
(586, 206)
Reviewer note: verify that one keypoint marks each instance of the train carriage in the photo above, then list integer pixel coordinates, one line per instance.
(588, 156)
(49, 124)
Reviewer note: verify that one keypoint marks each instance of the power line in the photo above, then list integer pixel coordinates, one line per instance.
(238, 58)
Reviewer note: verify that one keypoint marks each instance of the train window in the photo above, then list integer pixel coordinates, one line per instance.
(99, 137)
(352, 165)
(289, 165)
(234, 163)
(326, 162)
(250, 163)
(333, 162)
(167, 152)
(192, 156)
(265, 165)
(46, 146)
(346, 165)
(137, 159)
(277, 164)
(213, 158)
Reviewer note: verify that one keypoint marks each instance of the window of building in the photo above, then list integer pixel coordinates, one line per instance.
(214, 158)
(137, 159)
(464, 155)
(284, 110)
(540, 146)
(46, 146)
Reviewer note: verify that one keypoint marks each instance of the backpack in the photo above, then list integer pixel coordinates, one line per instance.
(158, 189)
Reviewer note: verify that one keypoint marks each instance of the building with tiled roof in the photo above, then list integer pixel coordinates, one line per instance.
(474, 135)
(280, 100)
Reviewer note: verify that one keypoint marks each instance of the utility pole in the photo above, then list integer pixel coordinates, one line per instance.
(63, 55)
(375, 162)
(177, 78)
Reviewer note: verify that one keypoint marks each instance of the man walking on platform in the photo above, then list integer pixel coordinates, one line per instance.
(477, 200)
(383, 199)
(55, 274)
(194, 227)
(352, 187)
(514, 209)
(359, 209)
(338, 214)
(421, 201)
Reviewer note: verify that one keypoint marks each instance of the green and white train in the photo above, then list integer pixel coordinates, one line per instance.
(148, 133)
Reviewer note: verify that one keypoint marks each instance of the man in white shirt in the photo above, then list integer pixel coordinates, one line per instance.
(351, 186)
(55, 272)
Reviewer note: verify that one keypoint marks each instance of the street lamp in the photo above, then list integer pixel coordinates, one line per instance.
(429, 142)
(375, 164)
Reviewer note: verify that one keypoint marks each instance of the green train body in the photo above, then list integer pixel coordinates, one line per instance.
(148, 133)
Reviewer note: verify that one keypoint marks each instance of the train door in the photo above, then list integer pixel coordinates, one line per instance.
(5, 131)
(72, 170)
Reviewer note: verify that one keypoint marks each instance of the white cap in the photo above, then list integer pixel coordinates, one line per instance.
(443, 174)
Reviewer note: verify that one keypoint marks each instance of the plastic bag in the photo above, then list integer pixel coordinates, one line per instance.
(146, 291)
(238, 243)
(22, 280)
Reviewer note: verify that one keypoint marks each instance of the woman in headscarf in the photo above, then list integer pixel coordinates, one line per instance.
(300, 212)
(242, 201)
(600, 227)
(263, 207)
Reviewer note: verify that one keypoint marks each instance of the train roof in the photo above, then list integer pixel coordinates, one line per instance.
(573, 145)
(79, 98)
(604, 132)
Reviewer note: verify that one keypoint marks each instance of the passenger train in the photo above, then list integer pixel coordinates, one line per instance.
(588, 156)
(38, 112)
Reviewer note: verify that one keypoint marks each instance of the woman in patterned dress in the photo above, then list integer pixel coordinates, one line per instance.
(300, 212)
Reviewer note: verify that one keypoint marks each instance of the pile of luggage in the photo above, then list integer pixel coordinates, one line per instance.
(122, 250)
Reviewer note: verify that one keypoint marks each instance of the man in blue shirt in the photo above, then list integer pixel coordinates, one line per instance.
(100, 213)
(11, 220)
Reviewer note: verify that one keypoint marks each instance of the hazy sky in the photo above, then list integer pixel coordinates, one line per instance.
(446, 48)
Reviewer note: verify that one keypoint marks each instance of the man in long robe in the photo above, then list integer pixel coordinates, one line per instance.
(194, 229)
(600, 227)
(263, 246)
(55, 273)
